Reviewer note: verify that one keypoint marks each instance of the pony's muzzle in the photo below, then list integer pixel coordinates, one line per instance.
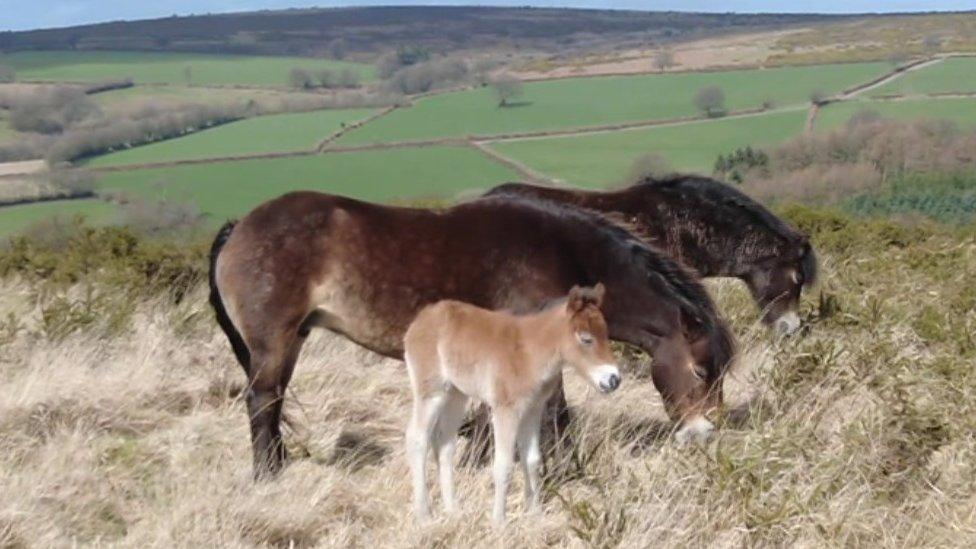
(788, 323)
(607, 378)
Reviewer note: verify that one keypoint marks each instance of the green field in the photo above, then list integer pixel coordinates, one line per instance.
(15, 218)
(228, 189)
(262, 134)
(962, 111)
(605, 158)
(156, 67)
(561, 104)
(957, 74)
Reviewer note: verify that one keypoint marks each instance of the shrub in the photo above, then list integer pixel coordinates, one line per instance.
(740, 162)
(429, 75)
(647, 165)
(300, 79)
(52, 110)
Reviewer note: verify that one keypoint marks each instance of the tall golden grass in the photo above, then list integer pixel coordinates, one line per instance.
(859, 432)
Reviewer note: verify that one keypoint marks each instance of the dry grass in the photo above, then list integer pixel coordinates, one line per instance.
(859, 433)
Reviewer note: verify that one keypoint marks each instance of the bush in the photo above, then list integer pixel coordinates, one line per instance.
(52, 110)
(300, 79)
(741, 162)
(651, 165)
(429, 75)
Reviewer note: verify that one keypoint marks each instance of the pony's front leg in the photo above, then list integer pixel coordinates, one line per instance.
(505, 424)
(531, 455)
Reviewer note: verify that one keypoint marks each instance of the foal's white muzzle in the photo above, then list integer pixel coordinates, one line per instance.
(788, 323)
(606, 377)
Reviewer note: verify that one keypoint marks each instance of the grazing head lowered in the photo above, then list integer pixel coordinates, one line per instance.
(709, 226)
(455, 352)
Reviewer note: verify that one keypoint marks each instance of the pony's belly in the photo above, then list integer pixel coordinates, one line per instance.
(362, 315)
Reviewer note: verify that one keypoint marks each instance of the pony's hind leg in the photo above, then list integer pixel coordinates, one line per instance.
(426, 410)
(445, 441)
(269, 375)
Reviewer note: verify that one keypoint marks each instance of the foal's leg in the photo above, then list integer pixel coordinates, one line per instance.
(445, 440)
(419, 431)
(531, 456)
(505, 424)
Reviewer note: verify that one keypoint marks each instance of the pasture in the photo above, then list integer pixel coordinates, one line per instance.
(262, 134)
(956, 74)
(580, 102)
(961, 111)
(168, 68)
(16, 218)
(601, 159)
(122, 421)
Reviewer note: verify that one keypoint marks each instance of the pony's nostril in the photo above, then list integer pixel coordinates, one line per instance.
(614, 381)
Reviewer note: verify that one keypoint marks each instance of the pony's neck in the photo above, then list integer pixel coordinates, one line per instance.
(542, 335)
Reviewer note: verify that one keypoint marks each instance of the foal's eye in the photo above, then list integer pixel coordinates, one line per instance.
(585, 338)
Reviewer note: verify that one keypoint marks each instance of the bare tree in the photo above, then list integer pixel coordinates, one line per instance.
(650, 165)
(300, 79)
(818, 96)
(711, 101)
(664, 60)
(506, 87)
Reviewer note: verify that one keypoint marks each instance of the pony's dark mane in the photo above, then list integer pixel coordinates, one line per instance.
(666, 275)
(716, 192)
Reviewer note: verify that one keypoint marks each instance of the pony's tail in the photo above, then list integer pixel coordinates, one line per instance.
(241, 351)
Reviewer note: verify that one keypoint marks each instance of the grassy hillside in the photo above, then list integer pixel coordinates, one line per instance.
(122, 421)
(606, 158)
(958, 110)
(562, 104)
(956, 74)
(263, 134)
(168, 68)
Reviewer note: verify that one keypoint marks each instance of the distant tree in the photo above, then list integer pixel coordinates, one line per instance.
(818, 96)
(411, 55)
(932, 43)
(348, 78)
(300, 79)
(711, 101)
(327, 79)
(188, 75)
(664, 60)
(768, 103)
(6, 73)
(506, 87)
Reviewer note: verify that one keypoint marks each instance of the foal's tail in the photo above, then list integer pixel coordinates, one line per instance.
(236, 341)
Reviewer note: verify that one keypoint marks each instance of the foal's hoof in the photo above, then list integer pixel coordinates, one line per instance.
(697, 430)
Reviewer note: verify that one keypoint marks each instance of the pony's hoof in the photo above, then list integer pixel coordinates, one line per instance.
(697, 430)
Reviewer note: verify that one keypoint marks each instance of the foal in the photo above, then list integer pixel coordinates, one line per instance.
(455, 351)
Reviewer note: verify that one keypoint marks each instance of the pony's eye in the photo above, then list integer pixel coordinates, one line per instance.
(585, 338)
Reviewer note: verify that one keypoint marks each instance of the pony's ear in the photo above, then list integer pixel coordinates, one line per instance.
(576, 300)
(598, 292)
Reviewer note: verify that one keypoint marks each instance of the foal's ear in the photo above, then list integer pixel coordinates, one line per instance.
(598, 292)
(576, 300)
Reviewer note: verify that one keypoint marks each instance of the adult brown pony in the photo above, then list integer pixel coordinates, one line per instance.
(711, 227)
(364, 270)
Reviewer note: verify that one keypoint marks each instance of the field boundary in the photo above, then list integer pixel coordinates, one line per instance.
(355, 125)
(529, 175)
